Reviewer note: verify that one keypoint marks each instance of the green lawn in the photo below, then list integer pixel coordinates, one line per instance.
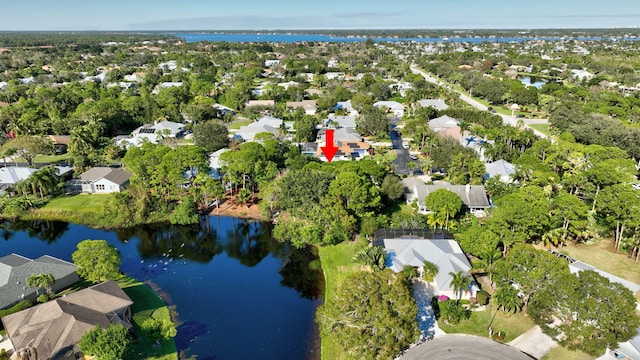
(47, 158)
(602, 256)
(543, 128)
(513, 325)
(84, 203)
(336, 266)
(146, 304)
(562, 353)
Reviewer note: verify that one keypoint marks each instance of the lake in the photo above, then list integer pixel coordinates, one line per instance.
(238, 293)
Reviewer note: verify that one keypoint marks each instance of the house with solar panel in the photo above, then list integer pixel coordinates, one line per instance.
(153, 133)
(412, 247)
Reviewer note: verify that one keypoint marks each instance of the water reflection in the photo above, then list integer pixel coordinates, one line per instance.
(227, 278)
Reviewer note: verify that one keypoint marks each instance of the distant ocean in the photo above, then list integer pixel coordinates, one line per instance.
(293, 38)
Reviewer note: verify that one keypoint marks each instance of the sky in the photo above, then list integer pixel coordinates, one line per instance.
(75, 15)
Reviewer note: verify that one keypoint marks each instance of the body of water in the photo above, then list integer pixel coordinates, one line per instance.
(535, 82)
(293, 38)
(238, 293)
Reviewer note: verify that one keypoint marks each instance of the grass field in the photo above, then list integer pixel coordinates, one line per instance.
(238, 124)
(337, 266)
(84, 203)
(513, 325)
(562, 353)
(602, 256)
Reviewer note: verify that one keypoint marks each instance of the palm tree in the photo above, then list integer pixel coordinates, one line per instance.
(39, 281)
(411, 166)
(429, 271)
(489, 259)
(460, 283)
(553, 237)
(373, 257)
(507, 299)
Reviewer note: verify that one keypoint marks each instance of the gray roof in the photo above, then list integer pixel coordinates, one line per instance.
(443, 122)
(445, 253)
(15, 269)
(500, 167)
(55, 327)
(473, 196)
(341, 134)
(116, 176)
(10, 175)
(437, 104)
(577, 266)
(342, 121)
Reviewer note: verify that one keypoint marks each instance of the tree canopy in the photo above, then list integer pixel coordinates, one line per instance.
(97, 261)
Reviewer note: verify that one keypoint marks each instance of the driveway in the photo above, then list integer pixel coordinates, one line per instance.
(400, 163)
(457, 347)
(534, 342)
(423, 293)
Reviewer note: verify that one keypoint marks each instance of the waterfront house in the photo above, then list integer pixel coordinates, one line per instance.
(16, 269)
(53, 329)
(100, 180)
(474, 197)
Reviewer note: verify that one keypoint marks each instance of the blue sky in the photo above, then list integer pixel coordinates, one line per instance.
(304, 14)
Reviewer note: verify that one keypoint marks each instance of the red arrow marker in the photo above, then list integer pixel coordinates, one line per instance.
(329, 149)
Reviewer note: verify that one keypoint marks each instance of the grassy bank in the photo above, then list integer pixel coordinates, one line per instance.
(79, 209)
(543, 128)
(147, 304)
(336, 266)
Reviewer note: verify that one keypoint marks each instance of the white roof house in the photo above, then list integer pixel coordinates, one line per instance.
(214, 158)
(11, 175)
(340, 121)
(443, 122)
(155, 132)
(166, 85)
(395, 107)
(309, 106)
(415, 246)
(437, 104)
(501, 168)
(268, 124)
(346, 105)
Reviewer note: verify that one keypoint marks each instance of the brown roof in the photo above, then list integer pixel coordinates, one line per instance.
(117, 176)
(59, 139)
(55, 327)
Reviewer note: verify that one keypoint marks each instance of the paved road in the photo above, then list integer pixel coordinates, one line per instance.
(458, 347)
(400, 163)
(506, 119)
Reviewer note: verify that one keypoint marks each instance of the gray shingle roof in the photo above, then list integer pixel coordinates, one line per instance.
(15, 269)
(117, 176)
(55, 327)
(473, 196)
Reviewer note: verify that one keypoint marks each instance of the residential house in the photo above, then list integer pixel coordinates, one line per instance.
(309, 148)
(341, 134)
(266, 124)
(53, 329)
(347, 150)
(60, 143)
(412, 247)
(166, 85)
(334, 76)
(474, 197)
(271, 62)
(309, 106)
(154, 133)
(581, 75)
(288, 84)
(392, 106)
(100, 180)
(447, 126)
(16, 269)
(502, 168)
(262, 103)
(335, 121)
(11, 175)
(437, 104)
(346, 105)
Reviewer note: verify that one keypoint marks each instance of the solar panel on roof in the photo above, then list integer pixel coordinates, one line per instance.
(147, 131)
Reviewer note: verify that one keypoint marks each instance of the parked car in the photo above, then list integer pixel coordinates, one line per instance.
(405, 145)
(413, 156)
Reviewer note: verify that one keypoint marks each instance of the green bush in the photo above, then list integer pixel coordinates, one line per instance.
(25, 304)
(482, 297)
(42, 298)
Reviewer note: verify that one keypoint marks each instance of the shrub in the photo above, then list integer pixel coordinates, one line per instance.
(25, 304)
(482, 297)
(42, 298)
